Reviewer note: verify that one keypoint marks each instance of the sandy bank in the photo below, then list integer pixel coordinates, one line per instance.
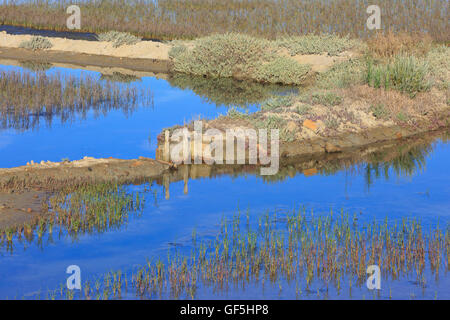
(143, 56)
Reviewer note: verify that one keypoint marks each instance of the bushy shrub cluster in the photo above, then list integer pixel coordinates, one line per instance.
(317, 44)
(36, 43)
(118, 38)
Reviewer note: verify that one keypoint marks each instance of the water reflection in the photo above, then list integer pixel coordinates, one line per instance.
(120, 77)
(393, 159)
(94, 209)
(35, 66)
(26, 98)
(227, 91)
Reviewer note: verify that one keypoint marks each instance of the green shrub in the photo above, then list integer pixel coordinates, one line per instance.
(406, 74)
(236, 114)
(224, 55)
(282, 70)
(402, 117)
(379, 111)
(342, 75)
(177, 50)
(438, 60)
(304, 109)
(326, 98)
(331, 122)
(36, 43)
(276, 102)
(317, 44)
(118, 38)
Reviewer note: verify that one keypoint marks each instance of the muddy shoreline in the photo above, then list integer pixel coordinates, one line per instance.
(321, 145)
(156, 66)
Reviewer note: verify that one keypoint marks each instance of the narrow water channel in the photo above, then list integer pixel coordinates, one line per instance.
(174, 208)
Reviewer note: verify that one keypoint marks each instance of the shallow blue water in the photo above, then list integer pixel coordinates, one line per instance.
(424, 195)
(112, 135)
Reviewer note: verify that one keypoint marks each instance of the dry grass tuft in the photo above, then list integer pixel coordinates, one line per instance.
(391, 44)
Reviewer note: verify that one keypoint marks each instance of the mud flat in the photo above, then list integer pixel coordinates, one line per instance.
(50, 176)
(24, 189)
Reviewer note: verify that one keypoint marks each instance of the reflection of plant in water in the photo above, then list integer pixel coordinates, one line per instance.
(292, 250)
(226, 91)
(26, 97)
(407, 163)
(119, 77)
(35, 66)
(79, 210)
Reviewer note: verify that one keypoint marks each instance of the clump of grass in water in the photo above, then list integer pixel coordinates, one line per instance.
(120, 77)
(225, 91)
(35, 66)
(118, 38)
(287, 248)
(36, 43)
(78, 210)
(99, 207)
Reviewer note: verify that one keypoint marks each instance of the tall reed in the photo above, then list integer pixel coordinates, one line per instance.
(169, 19)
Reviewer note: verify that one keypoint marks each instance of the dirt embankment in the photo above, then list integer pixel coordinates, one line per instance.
(316, 144)
(23, 189)
(144, 56)
(50, 176)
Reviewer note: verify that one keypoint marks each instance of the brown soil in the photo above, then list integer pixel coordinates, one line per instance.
(51, 176)
(20, 208)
